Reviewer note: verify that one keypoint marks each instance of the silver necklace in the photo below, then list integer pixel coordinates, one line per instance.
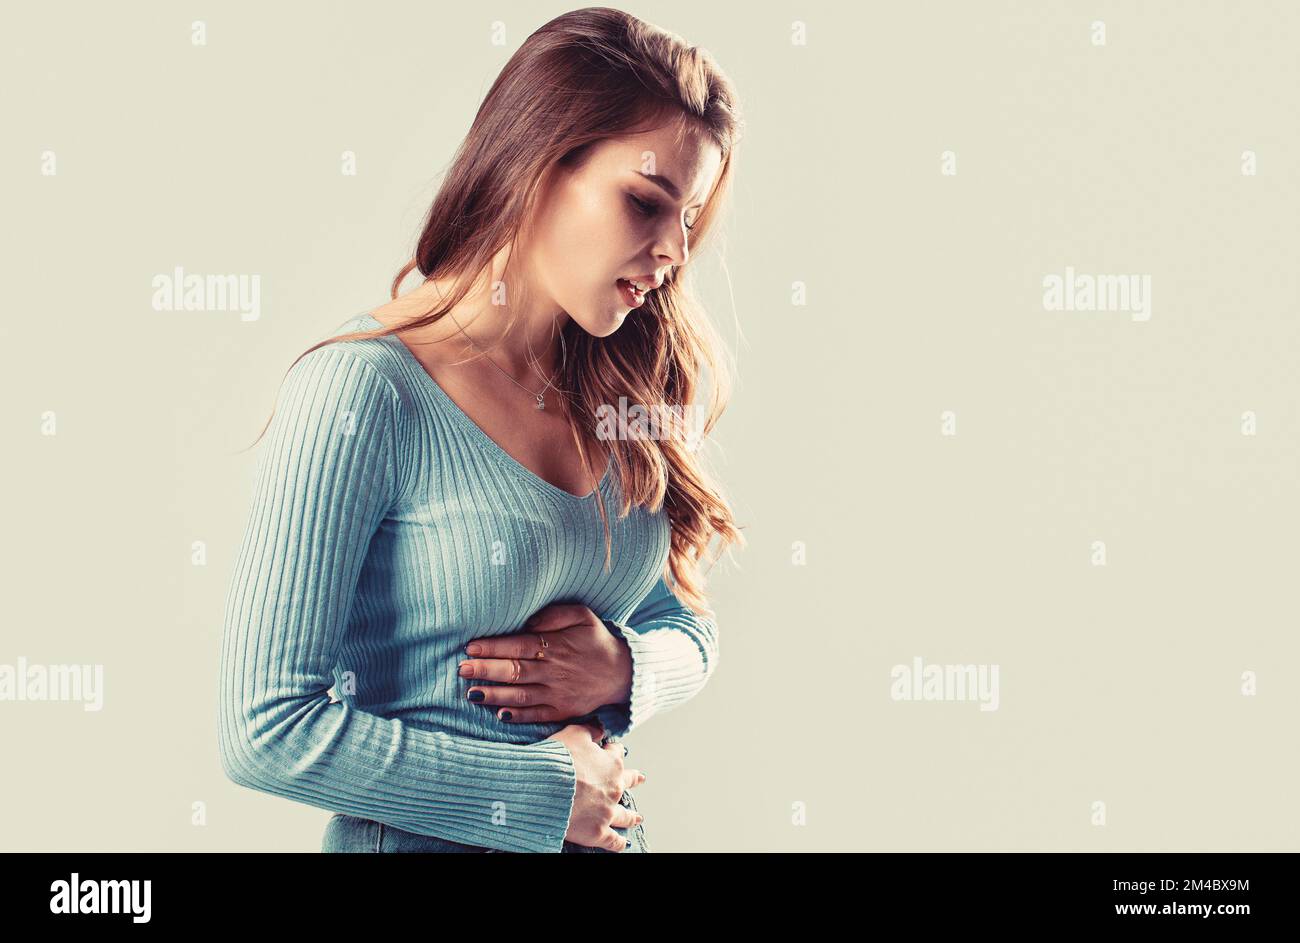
(539, 397)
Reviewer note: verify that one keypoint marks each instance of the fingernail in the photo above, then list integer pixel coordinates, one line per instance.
(639, 820)
(628, 845)
(506, 715)
(476, 695)
(466, 670)
(474, 649)
(625, 749)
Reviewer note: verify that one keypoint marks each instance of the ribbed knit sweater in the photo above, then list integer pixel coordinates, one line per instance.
(388, 530)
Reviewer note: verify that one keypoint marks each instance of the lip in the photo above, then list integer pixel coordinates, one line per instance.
(629, 296)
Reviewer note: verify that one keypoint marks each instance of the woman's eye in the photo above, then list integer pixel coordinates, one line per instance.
(650, 209)
(647, 209)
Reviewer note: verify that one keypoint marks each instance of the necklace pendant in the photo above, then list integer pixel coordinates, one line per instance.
(541, 402)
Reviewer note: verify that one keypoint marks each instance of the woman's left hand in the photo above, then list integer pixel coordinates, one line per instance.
(565, 665)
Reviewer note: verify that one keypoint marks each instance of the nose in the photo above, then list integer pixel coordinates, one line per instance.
(672, 247)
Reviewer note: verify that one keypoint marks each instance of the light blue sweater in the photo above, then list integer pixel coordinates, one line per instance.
(387, 530)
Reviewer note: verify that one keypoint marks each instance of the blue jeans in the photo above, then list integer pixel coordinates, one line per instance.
(348, 833)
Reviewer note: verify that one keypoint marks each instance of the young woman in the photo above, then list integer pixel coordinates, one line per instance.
(456, 528)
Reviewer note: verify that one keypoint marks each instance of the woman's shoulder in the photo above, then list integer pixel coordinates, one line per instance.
(349, 384)
(371, 361)
(362, 377)
(378, 352)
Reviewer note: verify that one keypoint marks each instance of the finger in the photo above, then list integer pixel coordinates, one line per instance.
(558, 615)
(525, 645)
(632, 778)
(529, 715)
(511, 695)
(626, 818)
(613, 840)
(596, 728)
(505, 670)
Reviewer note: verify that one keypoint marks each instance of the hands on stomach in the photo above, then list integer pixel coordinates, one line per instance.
(601, 779)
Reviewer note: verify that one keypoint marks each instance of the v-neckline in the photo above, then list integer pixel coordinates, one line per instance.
(479, 434)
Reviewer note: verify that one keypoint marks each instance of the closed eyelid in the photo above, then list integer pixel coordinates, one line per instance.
(694, 206)
(667, 186)
(653, 206)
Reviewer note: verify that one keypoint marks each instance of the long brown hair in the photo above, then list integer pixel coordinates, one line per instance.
(604, 73)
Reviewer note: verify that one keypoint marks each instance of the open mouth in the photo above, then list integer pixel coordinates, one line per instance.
(631, 296)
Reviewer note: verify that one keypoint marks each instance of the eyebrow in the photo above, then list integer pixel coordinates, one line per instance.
(664, 184)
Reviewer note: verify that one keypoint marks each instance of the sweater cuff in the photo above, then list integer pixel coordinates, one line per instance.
(548, 786)
(647, 657)
(527, 798)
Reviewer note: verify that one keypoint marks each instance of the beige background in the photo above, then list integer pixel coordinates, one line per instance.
(1119, 683)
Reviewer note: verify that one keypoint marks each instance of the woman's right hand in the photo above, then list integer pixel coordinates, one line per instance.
(601, 779)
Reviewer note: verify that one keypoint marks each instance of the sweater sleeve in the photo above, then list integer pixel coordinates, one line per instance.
(674, 652)
(325, 482)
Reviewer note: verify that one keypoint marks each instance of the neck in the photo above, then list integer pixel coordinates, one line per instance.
(529, 350)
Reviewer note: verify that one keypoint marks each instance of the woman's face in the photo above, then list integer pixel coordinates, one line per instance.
(608, 221)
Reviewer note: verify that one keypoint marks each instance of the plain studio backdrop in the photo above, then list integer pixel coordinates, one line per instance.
(930, 461)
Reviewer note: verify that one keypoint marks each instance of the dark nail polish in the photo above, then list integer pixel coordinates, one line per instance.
(476, 695)
(628, 845)
(506, 715)
(625, 750)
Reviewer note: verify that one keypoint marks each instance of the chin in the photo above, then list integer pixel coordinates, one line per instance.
(604, 326)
